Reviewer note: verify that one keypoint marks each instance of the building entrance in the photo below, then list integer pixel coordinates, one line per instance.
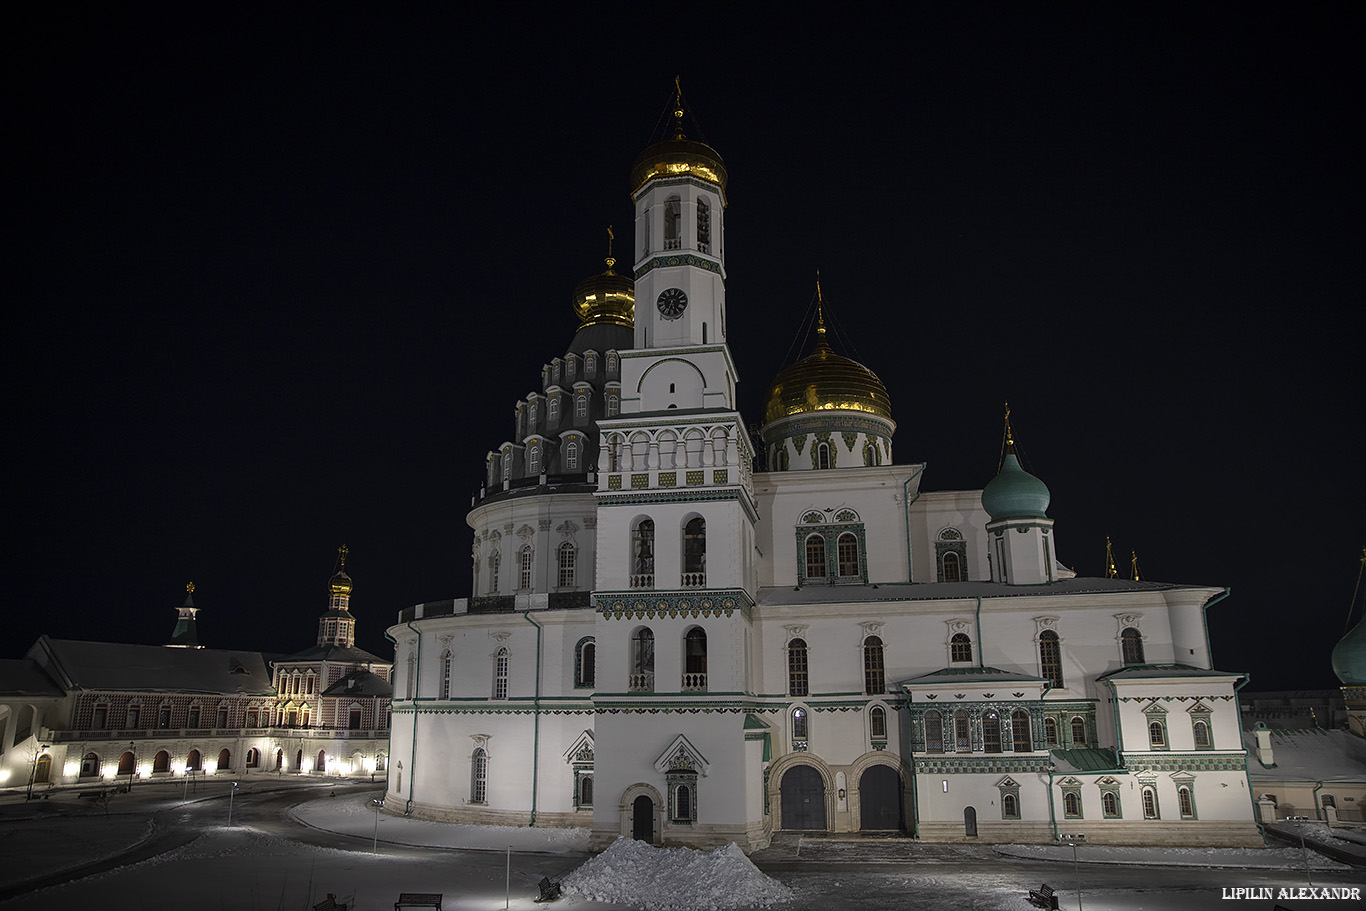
(880, 803)
(643, 819)
(803, 799)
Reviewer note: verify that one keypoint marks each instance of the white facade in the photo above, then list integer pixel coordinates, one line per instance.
(807, 648)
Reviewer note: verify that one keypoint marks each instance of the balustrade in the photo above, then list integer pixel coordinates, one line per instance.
(695, 682)
(642, 683)
(643, 581)
(694, 580)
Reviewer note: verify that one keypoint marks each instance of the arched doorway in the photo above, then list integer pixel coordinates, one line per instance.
(279, 760)
(880, 801)
(126, 762)
(970, 821)
(803, 798)
(643, 819)
(299, 761)
(192, 762)
(224, 760)
(43, 770)
(161, 762)
(322, 762)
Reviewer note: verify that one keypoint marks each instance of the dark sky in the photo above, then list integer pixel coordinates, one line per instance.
(277, 275)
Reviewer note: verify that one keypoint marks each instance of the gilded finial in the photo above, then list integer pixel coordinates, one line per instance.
(189, 589)
(678, 108)
(1010, 434)
(1110, 571)
(611, 260)
(1133, 565)
(341, 553)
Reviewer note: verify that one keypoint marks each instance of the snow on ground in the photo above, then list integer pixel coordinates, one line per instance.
(675, 879)
(53, 844)
(353, 814)
(1237, 858)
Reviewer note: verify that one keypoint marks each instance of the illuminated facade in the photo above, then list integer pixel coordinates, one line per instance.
(91, 713)
(668, 645)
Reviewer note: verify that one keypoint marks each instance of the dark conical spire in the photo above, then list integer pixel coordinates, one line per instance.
(186, 632)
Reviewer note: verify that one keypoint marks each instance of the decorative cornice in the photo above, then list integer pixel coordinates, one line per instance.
(679, 259)
(638, 605)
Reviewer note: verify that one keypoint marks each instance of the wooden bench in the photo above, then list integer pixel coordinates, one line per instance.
(550, 890)
(330, 904)
(418, 900)
(1044, 897)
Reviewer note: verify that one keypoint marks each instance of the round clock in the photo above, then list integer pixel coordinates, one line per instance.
(672, 302)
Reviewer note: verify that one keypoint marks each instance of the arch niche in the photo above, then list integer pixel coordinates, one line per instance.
(881, 800)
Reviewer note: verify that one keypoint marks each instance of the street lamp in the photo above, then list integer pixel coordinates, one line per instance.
(1074, 840)
(1300, 822)
(132, 748)
(230, 796)
(376, 803)
(39, 749)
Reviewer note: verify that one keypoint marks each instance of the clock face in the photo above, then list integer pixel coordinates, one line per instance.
(672, 302)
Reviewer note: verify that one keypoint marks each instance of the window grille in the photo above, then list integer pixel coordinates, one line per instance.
(798, 683)
(874, 677)
(1050, 656)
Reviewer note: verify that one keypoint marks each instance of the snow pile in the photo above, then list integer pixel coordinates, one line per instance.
(675, 879)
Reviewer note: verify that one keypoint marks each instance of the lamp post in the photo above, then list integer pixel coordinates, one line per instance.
(1074, 840)
(38, 750)
(230, 796)
(1299, 824)
(132, 748)
(376, 804)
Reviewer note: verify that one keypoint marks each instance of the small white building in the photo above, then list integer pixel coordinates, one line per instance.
(666, 644)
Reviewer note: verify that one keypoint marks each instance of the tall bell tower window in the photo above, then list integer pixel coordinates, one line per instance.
(673, 222)
(823, 456)
(703, 226)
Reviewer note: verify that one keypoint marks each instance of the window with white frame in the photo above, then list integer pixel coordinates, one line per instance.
(877, 723)
(801, 732)
(960, 648)
(934, 732)
(991, 731)
(1150, 807)
(1050, 656)
(525, 562)
(568, 559)
(446, 674)
(1022, 741)
(500, 674)
(479, 776)
(571, 455)
(798, 678)
(585, 663)
(815, 557)
(874, 673)
(1131, 645)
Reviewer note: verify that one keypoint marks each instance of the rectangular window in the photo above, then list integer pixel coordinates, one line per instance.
(934, 733)
(960, 728)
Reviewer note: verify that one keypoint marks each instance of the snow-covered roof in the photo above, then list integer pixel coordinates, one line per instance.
(1085, 759)
(1310, 754)
(360, 683)
(334, 653)
(939, 591)
(24, 677)
(80, 665)
(1150, 671)
(964, 675)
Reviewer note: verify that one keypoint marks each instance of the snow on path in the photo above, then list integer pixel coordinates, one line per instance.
(675, 879)
(1238, 858)
(352, 814)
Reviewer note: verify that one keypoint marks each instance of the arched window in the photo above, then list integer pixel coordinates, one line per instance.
(870, 455)
(253, 758)
(1078, 731)
(815, 557)
(1201, 730)
(446, 674)
(581, 406)
(673, 219)
(703, 226)
(960, 647)
(586, 792)
(525, 561)
(161, 762)
(874, 678)
(571, 455)
(823, 456)
(500, 674)
(479, 776)
(1109, 803)
(643, 661)
(585, 663)
(126, 763)
(1150, 810)
(552, 411)
(613, 404)
(1019, 728)
(1050, 731)
(961, 735)
(1186, 802)
(800, 729)
(1010, 806)
(952, 570)
(410, 678)
(495, 562)
(934, 732)
(279, 759)
(991, 732)
(1157, 735)
(224, 760)
(695, 659)
(798, 680)
(192, 762)
(877, 722)
(1131, 645)
(695, 552)
(1050, 656)
(682, 803)
(90, 765)
(643, 555)
(533, 460)
(848, 554)
(1071, 804)
(568, 557)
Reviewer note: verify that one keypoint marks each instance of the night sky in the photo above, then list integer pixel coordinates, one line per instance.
(277, 275)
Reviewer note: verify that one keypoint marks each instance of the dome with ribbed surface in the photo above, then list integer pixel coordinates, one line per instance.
(1015, 493)
(340, 584)
(826, 381)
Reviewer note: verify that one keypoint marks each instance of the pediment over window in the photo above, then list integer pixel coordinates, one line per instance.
(1199, 709)
(1070, 782)
(1108, 782)
(681, 756)
(1181, 776)
(1154, 709)
(1007, 782)
(581, 750)
(813, 518)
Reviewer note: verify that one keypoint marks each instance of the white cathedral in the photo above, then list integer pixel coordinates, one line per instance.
(665, 644)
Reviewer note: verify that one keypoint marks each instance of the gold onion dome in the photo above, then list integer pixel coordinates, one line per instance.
(678, 156)
(340, 584)
(826, 381)
(606, 298)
